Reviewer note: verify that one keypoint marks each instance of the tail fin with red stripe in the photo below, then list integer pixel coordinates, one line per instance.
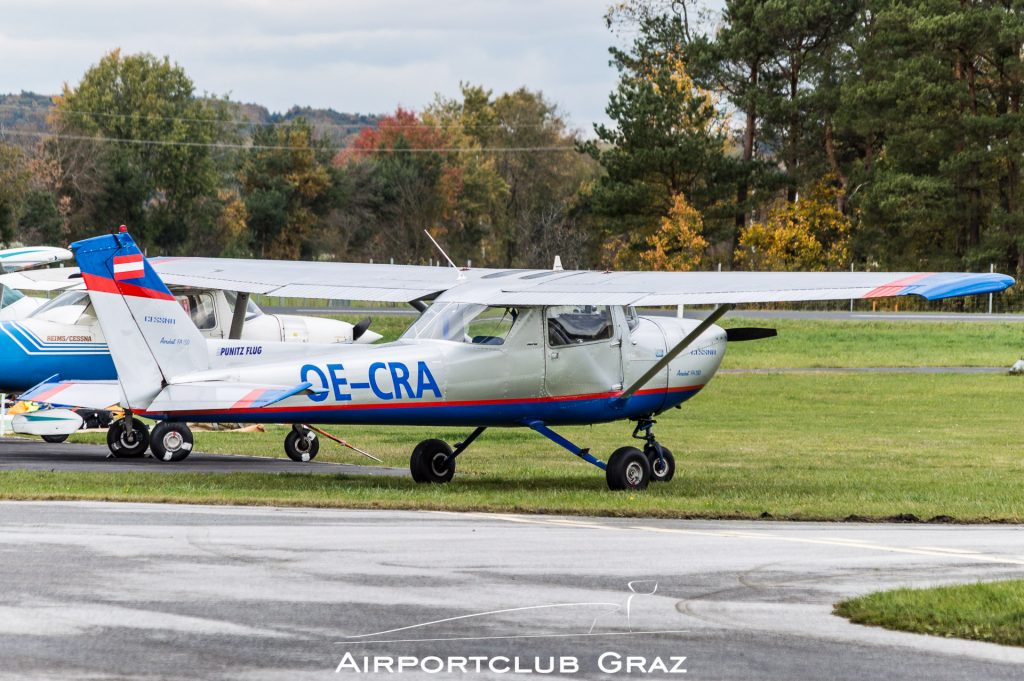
(151, 338)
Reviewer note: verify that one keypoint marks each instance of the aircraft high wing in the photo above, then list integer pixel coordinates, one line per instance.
(16, 259)
(498, 348)
(407, 283)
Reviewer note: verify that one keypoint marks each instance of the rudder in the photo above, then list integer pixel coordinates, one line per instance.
(151, 338)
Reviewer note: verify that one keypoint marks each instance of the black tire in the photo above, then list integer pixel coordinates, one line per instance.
(124, 447)
(628, 469)
(429, 462)
(661, 472)
(171, 442)
(299, 447)
(55, 439)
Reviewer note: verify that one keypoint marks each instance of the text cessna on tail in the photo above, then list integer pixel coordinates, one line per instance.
(512, 348)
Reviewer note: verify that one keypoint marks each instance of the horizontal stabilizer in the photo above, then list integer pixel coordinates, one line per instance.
(88, 394)
(222, 396)
(749, 333)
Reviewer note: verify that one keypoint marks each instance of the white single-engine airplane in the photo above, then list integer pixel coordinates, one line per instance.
(13, 303)
(507, 348)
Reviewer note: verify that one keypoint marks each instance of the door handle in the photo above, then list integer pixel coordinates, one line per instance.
(553, 354)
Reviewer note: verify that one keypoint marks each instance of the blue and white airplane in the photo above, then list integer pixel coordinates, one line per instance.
(497, 348)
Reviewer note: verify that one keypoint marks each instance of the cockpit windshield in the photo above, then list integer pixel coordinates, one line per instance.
(464, 323)
(67, 308)
(9, 296)
(252, 310)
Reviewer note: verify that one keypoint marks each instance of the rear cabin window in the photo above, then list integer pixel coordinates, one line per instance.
(199, 307)
(575, 324)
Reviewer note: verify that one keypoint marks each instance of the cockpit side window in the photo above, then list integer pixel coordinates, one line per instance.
(576, 324)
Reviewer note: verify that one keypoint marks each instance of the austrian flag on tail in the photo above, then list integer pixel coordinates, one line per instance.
(128, 267)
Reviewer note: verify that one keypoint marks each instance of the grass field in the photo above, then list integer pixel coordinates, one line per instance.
(991, 612)
(836, 343)
(798, 446)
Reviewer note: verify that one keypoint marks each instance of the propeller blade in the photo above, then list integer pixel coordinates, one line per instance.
(360, 328)
(748, 333)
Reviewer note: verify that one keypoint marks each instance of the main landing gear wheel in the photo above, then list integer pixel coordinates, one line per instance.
(431, 462)
(55, 439)
(125, 445)
(661, 470)
(301, 445)
(171, 442)
(628, 468)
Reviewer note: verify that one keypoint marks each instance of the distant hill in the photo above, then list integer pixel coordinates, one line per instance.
(337, 127)
(28, 112)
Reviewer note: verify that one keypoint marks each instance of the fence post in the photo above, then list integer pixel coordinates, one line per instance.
(991, 269)
(851, 299)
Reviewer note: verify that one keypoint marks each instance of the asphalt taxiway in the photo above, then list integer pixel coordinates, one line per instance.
(35, 454)
(127, 591)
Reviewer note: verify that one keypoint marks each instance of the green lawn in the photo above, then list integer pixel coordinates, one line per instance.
(834, 343)
(991, 612)
(799, 446)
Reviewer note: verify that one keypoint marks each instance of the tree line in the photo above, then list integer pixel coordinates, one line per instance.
(774, 134)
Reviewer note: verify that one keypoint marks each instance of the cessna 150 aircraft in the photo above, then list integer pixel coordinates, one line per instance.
(512, 348)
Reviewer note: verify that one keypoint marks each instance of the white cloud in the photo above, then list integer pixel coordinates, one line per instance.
(353, 56)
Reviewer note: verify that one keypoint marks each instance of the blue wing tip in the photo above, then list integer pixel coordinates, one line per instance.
(966, 285)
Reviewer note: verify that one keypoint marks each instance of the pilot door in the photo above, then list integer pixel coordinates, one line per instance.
(584, 350)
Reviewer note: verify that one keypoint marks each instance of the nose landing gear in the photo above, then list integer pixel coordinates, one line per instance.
(663, 464)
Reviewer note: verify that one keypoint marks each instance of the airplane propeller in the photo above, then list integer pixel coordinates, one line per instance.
(749, 333)
(360, 328)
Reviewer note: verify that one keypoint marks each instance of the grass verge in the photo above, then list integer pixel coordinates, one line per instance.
(992, 612)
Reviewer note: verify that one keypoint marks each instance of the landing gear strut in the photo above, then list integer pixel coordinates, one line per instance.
(128, 437)
(663, 464)
(301, 444)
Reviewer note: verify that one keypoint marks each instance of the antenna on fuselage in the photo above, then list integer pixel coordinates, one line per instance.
(462, 276)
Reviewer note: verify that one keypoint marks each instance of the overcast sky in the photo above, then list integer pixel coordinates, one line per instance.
(358, 56)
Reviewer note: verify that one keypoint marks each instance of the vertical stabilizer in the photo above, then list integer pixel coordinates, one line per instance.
(150, 336)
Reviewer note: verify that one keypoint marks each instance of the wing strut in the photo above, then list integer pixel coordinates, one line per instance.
(676, 350)
(238, 316)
